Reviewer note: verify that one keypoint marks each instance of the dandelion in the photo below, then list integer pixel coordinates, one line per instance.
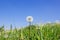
(29, 19)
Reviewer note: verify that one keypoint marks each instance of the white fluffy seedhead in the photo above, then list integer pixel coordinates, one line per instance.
(29, 18)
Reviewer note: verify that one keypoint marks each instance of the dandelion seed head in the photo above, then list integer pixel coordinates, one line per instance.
(29, 18)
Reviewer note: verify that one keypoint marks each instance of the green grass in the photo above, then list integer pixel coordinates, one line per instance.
(45, 32)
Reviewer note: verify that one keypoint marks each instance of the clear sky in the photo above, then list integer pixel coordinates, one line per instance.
(15, 11)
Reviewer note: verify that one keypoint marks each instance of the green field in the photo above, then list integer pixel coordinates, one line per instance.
(49, 31)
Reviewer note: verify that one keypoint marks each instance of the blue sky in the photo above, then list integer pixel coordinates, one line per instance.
(15, 11)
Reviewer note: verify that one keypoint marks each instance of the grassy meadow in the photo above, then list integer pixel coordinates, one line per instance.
(48, 31)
